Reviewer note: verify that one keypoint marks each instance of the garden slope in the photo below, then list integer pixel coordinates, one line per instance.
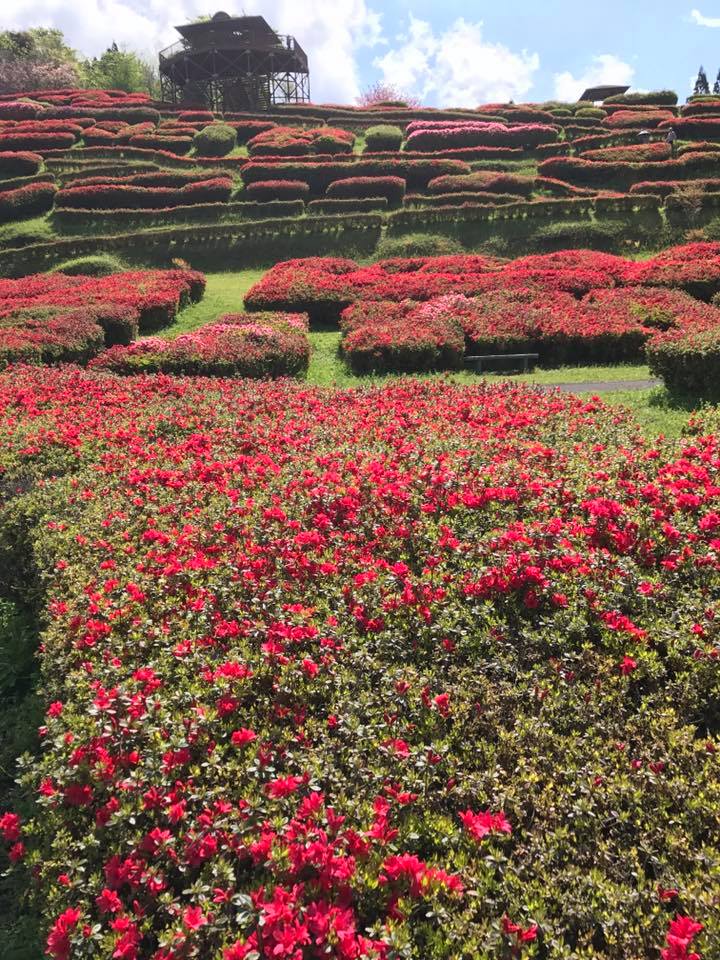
(417, 672)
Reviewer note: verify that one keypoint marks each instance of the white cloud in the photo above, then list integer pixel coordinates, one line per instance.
(604, 69)
(458, 67)
(330, 31)
(702, 21)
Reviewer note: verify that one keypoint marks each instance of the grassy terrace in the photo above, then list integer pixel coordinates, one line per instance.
(656, 411)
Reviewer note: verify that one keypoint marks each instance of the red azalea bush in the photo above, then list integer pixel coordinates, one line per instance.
(19, 110)
(277, 190)
(416, 173)
(295, 141)
(146, 298)
(621, 175)
(688, 365)
(694, 128)
(49, 335)
(631, 153)
(120, 196)
(247, 129)
(175, 145)
(35, 141)
(19, 164)
(24, 202)
(485, 181)
(261, 345)
(622, 119)
(436, 135)
(356, 188)
(389, 337)
(422, 671)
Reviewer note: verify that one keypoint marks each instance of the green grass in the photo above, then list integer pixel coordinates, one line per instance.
(25, 232)
(224, 294)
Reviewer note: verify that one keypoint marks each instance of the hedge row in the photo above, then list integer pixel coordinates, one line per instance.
(622, 176)
(119, 196)
(19, 164)
(26, 202)
(318, 176)
(341, 205)
(358, 188)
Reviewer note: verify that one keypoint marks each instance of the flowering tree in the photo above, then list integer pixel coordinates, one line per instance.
(385, 93)
(36, 59)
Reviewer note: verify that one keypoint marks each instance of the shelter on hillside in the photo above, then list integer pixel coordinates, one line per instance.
(234, 63)
(598, 94)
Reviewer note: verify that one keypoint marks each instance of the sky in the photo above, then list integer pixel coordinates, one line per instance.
(448, 54)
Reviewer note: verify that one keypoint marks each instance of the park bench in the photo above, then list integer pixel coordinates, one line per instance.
(526, 360)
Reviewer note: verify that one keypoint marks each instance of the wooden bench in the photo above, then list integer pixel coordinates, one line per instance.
(526, 360)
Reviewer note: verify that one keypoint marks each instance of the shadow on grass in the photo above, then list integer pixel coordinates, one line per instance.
(20, 715)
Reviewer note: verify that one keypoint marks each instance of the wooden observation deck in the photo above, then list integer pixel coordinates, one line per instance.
(234, 63)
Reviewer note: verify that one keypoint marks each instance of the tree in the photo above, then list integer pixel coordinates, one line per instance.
(702, 87)
(120, 69)
(385, 93)
(716, 85)
(36, 59)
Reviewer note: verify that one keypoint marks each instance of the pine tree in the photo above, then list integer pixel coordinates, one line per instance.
(702, 87)
(716, 85)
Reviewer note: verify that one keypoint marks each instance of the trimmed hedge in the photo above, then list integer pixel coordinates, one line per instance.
(357, 188)
(19, 164)
(277, 190)
(688, 365)
(50, 335)
(215, 141)
(260, 346)
(487, 181)
(35, 141)
(343, 205)
(177, 145)
(383, 137)
(621, 176)
(19, 110)
(247, 129)
(654, 97)
(119, 196)
(318, 176)
(26, 202)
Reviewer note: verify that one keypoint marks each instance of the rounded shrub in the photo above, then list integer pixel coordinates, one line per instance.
(97, 265)
(417, 245)
(382, 138)
(216, 140)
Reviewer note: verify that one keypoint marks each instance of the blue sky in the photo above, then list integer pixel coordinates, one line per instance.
(453, 53)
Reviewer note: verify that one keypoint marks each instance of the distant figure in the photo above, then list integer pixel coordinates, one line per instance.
(671, 138)
(644, 136)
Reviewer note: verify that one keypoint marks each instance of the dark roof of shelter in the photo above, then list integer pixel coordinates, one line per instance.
(258, 26)
(602, 93)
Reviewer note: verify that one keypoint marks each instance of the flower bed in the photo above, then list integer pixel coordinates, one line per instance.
(261, 345)
(631, 153)
(623, 119)
(421, 671)
(621, 176)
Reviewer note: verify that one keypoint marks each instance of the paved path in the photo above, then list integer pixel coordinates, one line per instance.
(605, 386)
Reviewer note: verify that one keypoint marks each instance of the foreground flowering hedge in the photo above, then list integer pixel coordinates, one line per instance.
(263, 346)
(422, 672)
